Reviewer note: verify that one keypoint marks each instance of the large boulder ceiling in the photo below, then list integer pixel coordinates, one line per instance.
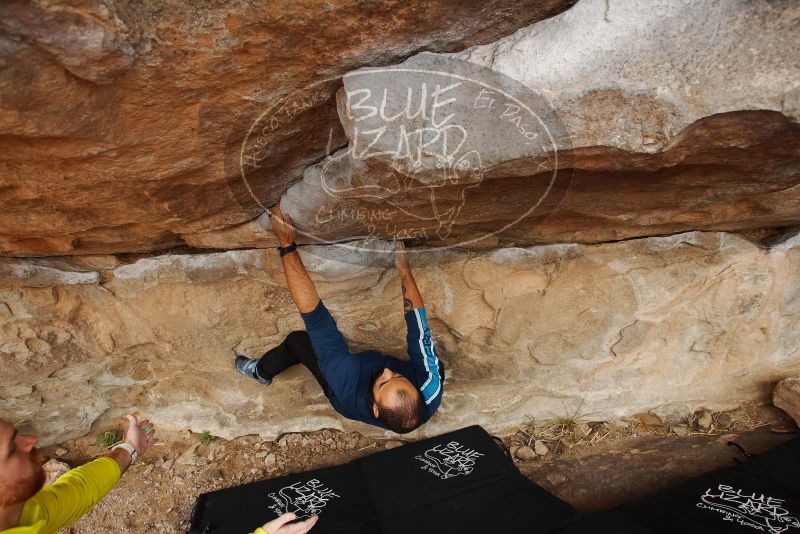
(630, 244)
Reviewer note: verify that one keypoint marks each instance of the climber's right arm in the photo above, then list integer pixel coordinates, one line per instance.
(303, 290)
(335, 361)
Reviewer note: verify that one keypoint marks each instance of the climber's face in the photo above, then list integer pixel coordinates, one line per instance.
(21, 473)
(387, 386)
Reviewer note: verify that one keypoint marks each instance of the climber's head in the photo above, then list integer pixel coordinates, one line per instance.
(398, 404)
(21, 473)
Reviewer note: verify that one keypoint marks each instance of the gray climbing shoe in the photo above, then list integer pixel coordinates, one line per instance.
(248, 368)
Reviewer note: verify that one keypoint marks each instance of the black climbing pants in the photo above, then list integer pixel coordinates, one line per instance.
(296, 348)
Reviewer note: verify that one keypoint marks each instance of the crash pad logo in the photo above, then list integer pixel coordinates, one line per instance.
(448, 461)
(754, 510)
(302, 499)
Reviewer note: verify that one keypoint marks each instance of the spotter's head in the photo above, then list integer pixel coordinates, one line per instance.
(21, 473)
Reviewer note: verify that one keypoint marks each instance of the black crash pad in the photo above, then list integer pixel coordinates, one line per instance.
(760, 495)
(458, 482)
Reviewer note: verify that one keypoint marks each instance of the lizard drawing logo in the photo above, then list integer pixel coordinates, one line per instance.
(414, 129)
(754, 510)
(449, 460)
(428, 150)
(304, 499)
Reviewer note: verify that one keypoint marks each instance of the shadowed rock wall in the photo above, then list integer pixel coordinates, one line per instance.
(676, 117)
(114, 116)
(664, 116)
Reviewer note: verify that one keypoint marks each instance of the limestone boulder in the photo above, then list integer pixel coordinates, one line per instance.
(667, 325)
(605, 122)
(787, 397)
(602, 201)
(178, 125)
(53, 469)
(117, 119)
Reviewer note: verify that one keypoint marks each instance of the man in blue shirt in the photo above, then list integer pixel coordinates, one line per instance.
(367, 386)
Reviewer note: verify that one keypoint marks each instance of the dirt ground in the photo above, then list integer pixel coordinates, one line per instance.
(577, 460)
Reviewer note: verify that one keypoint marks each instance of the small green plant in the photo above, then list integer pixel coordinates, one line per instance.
(206, 437)
(570, 426)
(567, 425)
(108, 438)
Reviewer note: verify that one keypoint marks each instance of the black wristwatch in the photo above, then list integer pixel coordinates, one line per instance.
(283, 251)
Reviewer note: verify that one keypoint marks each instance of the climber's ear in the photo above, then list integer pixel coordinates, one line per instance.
(375, 410)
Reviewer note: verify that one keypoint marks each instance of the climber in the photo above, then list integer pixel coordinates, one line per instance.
(367, 386)
(28, 508)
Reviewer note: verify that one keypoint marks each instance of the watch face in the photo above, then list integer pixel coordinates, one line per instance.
(129, 449)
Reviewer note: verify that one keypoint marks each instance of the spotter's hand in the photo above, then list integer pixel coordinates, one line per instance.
(140, 434)
(280, 526)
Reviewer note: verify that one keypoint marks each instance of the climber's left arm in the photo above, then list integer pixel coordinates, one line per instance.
(411, 295)
(420, 343)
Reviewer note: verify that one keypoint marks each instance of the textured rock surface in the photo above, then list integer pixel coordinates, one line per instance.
(127, 139)
(123, 127)
(666, 324)
(53, 469)
(114, 116)
(787, 397)
(674, 116)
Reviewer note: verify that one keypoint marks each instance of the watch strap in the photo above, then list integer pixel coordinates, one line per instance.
(128, 447)
(283, 251)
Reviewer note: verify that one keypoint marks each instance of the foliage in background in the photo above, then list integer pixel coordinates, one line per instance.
(108, 438)
(206, 438)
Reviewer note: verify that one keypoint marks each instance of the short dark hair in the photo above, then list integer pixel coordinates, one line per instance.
(405, 415)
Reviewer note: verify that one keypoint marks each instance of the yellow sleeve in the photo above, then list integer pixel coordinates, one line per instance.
(259, 530)
(74, 493)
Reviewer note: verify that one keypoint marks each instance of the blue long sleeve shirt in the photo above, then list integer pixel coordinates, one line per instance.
(349, 376)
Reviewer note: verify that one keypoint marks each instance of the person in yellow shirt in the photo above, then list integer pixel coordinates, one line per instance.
(26, 507)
